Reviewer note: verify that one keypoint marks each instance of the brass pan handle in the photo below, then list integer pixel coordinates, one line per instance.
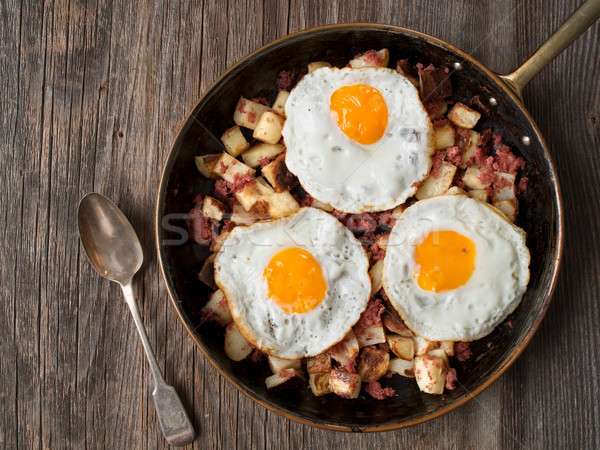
(579, 21)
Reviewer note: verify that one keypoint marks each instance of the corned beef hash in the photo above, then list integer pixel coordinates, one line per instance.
(362, 228)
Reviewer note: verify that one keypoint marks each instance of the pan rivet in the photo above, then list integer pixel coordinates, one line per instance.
(493, 101)
(457, 66)
(526, 140)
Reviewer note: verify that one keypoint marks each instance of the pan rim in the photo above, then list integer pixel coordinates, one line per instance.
(512, 355)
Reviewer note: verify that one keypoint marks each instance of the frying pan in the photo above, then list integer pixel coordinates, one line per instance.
(539, 214)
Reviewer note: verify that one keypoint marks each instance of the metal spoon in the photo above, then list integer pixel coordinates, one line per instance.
(115, 252)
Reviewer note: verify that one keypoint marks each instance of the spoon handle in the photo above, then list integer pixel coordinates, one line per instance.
(173, 419)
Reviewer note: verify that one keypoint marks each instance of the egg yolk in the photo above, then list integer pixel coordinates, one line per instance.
(295, 281)
(360, 112)
(445, 261)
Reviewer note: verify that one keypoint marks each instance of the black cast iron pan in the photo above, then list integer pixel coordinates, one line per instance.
(539, 214)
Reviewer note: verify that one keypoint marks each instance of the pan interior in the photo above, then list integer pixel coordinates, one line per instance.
(256, 76)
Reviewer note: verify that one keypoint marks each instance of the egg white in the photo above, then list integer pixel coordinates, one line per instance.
(495, 288)
(239, 268)
(352, 177)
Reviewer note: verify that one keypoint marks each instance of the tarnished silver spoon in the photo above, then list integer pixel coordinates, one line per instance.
(115, 252)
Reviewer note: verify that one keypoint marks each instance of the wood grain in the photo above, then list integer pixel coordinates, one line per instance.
(92, 93)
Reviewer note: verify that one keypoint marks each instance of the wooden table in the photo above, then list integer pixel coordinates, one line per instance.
(92, 94)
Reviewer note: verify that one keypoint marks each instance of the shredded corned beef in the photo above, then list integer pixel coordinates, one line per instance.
(437, 160)
(439, 123)
(433, 108)
(487, 177)
(381, 294)
(348, 368)
(476, 104)
(377, 253)
(462, 352)
(339, 215)
(453, 155)
(508, 324)
(222, 167)
(262, 100)
(285, 80)
(501, 182)
(371, 315)
(256, 355)
(463, 137)
(484, 137)
(386, 220)
(203, 230)
(199, 199)
(361, 223)
(451, 379)
(221, 188)
(497, 140)
(240, 181)
(384, 346)
(522, 186)
(507, 161)
(264, 161)
(377, 392)
(306, 201)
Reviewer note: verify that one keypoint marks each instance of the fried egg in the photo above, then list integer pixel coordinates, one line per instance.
(357, 139)
(296, 285)
(455, 268)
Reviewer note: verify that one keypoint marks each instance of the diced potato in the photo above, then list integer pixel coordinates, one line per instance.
(508, 207)
(479, 194)
(319, 364)
(444, 136)
(402, 367)
(207, 273)
(319, 204)
(373, 363)
(213, 208)
(248, 113)
(448, 347)
(383, 240)
(268, 129)
(430, 372)
(218, 244)
(234, 141)
(279, 364)
(227, 167)
(317, 65)
(472, 178)
(344, 384)
(252, 193)
(469, 151)
(258, 152)
(422, 345)
(392, 322)
(439, 353)
(376, 274)
(236, 345)
(463, 116)
(346, 350)
(239, 216)
(371, 58)
(507, 192)
(319, 383)
(218, 308)
(375, 334)
(288, 378)
(438, 182)
(277, 173)
(205, 164)
(277, 204)
(455, 190)
(279, 105)
(403, 347)
(397, 211)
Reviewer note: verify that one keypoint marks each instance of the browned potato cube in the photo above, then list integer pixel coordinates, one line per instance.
(260, 152)
(508, 207)
(448, 347)
(239, 216)
(279, 105)
(397, 211)
(344, 384)
(234, 141)
(317, 65)
(439, 353)
(371, 58)
(279, 364)
(402, 367)
(268, 129)
(236, 345)
(430, 372)
(213, 208)
(375, 334)
(373, 363)
(434, 84)
(319, 204)
(376, 274)
(409, 71)
(346, 350)
(287, 378)
(218, 308)
(508, 191)
(438, 182)
(472, 178)
(444, 136)
(319, 383)
(216, 246)
(207, 273)
(469, 150)
(277, 173)
(277, 204)
(205, 164)
(422, 345)
(402, 346)
(248, 113)
(479, 194)
(463, 116)
(455, 190)
(228, 168)
(319, 364)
